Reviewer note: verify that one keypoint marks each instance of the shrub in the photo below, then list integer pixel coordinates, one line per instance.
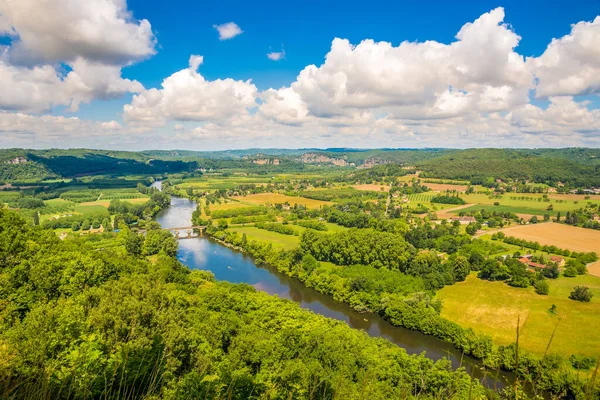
(542, 287)
(581, 293)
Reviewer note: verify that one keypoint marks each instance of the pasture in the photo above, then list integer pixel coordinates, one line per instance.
(560, 235)
(275, 198)
(287, 242)
(533, 202)
(493, 308)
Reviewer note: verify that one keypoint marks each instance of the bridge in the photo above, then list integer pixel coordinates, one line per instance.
(187, 229)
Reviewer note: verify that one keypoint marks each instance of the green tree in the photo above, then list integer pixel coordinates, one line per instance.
(75, 227)
(581, 293)
(542, 287)
(85, 225)
(36, 218)
(106, 225)
(134, 243)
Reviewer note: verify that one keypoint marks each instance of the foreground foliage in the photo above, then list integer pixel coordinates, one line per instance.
(79, 319)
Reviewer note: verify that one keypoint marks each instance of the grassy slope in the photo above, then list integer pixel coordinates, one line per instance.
(493, 307)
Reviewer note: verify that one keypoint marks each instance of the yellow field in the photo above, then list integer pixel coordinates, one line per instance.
(493, 308)
(594, 269)
(560, 235)
(228, 205)
(372, 187)
(275, 198)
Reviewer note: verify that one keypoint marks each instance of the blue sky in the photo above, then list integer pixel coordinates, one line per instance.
(305, 31)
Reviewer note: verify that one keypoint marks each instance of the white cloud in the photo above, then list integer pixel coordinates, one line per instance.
(570, 65)
(68, 52)
(39, 88)
(276, 55)
(228, 30)
(187, 96)
(65, 30)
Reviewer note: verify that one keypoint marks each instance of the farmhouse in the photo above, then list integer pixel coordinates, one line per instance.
(464, 219)
(558, 260)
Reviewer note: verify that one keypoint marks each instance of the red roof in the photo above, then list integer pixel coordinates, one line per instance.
(536, 265)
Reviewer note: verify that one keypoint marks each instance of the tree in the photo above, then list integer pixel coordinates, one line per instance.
(36, 218)
(581, 293)
(190, 191)
(142, 188)
(85, 225)
(106, 225)
(558, 217)
(116, 223)
(244, 240)
(134, 243)
(309, 263)
(459, 267)
(75, 227)
(542, 287)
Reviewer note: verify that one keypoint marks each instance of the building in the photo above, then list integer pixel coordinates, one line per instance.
(464, 219)
(558, 260)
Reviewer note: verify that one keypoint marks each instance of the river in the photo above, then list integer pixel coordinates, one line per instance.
(237, 267)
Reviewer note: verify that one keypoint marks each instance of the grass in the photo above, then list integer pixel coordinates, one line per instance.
(287, 242)
(422, 198)
(531, 201)
(274, 198)
(504, 209)
(493, 307)
(91, 209)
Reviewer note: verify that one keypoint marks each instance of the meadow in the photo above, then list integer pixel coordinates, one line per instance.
(286, 242)
(493, 308)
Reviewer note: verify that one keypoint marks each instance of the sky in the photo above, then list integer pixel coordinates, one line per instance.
(198, 75)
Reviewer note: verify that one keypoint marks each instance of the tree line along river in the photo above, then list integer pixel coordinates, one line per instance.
(233, 266)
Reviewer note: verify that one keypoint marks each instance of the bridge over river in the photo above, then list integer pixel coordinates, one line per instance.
(188, 230)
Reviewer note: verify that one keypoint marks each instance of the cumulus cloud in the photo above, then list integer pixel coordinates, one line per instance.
(276, 55)
(64, 53)
(228, 30)
(479, 72)
(65, 30)
(188, 96)
(570, 65)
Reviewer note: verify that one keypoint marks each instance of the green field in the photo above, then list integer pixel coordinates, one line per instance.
(504, 209)
(287, 242)
(529, 202)
(421, 197)
(493, 307)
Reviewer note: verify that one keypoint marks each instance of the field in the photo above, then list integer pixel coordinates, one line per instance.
(560, 235)
(287, 242)
(526, 203)
(594, 269)
(493, 307)
(521, 211)
(274, 198)
(421, 197)
(372, 187)
(442, 187)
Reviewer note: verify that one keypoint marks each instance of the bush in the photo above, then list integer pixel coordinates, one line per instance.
(542, 287)
(581, 293)
(581, 362)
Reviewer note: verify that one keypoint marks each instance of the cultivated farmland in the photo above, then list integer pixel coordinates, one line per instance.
(560, 235)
